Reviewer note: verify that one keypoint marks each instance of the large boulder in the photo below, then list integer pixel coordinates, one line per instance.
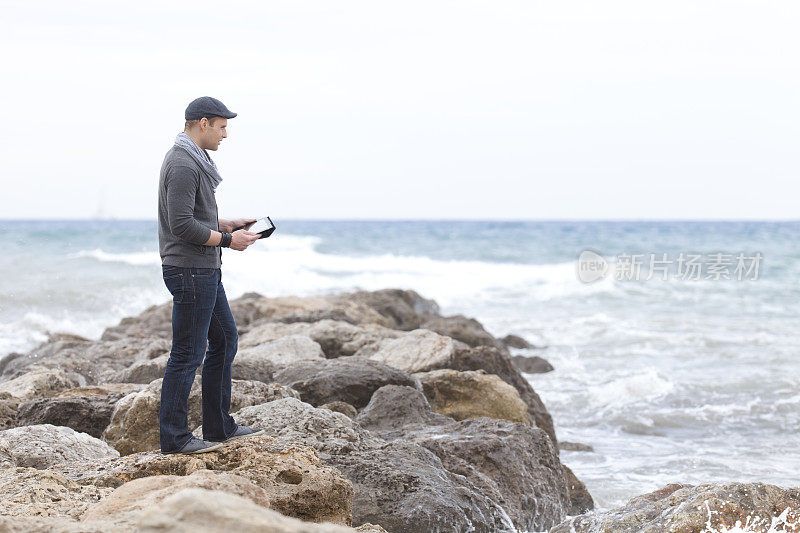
(291, 477)
(155, 321)
(134, 422)
(467, 330)
(84, 409)
(188, 510)
(498, 362)
(252, 307)
(46, 445)
(402, 309)
(683, 508)
(260, 362)
(143, 371)
(337, 338)
(472, 394)
(532, 365)
(8, 410)
(579, 498)
(39, 383)
(416, 351)
(513, 460)
(398, 484)
(129, 499)
(345, 379)
(394, 410)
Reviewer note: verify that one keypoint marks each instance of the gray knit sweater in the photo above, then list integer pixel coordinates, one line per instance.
(187, 212)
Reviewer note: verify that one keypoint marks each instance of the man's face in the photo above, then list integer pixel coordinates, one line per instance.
(213, 132)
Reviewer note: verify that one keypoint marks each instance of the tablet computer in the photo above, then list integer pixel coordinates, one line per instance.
(264, 226)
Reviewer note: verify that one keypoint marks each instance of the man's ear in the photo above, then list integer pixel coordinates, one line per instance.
(203, 124)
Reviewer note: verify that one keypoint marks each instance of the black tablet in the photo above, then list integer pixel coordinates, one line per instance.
(264, 226)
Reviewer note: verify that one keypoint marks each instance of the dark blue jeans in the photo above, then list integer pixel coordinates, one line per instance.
(200, 314)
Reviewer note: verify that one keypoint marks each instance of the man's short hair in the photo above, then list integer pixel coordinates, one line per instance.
(192, 123)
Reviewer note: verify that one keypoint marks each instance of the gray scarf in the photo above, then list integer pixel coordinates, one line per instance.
(201, 157)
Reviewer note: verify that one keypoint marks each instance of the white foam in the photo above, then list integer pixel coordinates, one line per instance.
(136, 258)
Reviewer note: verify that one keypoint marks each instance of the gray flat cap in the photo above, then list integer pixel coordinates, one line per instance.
(208, 107)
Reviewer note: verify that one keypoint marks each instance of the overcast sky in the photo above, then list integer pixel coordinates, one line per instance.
(431, 109)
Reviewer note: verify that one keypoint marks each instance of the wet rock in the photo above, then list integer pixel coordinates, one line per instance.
(188, 510)
(345, 379)
(134, 422)
(532, 365)
(292, 478)
(515, 341)
(402, 309)
(466, 330)
(472, 394)
(574, 446)
(580, 499)
(39, 383)
(398, 484)
(46, 445)
(515, 460)
(416, 351)
(680, 508)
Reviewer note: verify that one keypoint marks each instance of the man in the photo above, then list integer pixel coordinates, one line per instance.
(190, 239)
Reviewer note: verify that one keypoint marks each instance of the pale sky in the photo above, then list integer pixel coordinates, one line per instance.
(430, 109)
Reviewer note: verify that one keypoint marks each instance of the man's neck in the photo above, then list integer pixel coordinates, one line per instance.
(195, 140)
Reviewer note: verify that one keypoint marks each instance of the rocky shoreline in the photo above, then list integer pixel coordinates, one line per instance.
(379, 413)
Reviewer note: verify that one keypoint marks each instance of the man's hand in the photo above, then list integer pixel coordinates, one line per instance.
(242, 238)
(243, 223)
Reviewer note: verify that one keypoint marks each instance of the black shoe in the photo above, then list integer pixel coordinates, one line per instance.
(241, 431)
(196, 445)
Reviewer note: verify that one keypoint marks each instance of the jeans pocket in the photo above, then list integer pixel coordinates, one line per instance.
(176, 284)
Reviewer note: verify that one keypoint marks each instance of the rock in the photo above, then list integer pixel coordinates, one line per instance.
(395, 409)
(532, 365)
(579, 497)
(155, 321)
(336, 338)
(37, 524)
(696, 508)
(134, 422)
(574, 446)
(515, 341)
(45, 445)
(143, 371)
(402, 309)
(260, 362)
(292, 477)
(471, 394)
(291, 309)
(518, 461)
(188, 510)
(84, 409)
(515, 462)
(371, 527)
(8, 410)
(143, 493)
(341, 407)
(345, 379)
(39, 383)
(96, 361)
(398, 484)
(466, 330)
(34, 492)
(494, 361)
(417, 351)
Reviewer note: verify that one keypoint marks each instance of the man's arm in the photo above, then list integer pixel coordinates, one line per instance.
(181, 185)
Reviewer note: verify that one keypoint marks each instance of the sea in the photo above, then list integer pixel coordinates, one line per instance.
(675, 364)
